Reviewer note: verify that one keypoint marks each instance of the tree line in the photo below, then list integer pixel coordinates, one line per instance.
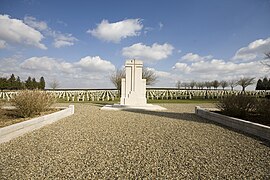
(263, 84)
(243, 82)
(15, 83)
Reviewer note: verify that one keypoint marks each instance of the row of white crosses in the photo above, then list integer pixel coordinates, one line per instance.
(87, 95)
(203, 94)
(110, 95)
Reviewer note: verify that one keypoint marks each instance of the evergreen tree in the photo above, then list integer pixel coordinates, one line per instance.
(18, 83)
(42, 83)
(259, 85)
(3, 83)
(12, 82)
(28, 83)
(34, 84)
(265, 83)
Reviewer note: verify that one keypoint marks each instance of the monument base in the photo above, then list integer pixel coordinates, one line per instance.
(147, 107)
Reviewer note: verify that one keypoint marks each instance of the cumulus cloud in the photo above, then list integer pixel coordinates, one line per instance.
(211, 68)
(155, 52)
(87, 72)
(39, 63)
(194, 57)
(183, 67)
(95, 64)
(254, 50)
(115, 32)
(14, 31)
(88, 63)
(60, 39)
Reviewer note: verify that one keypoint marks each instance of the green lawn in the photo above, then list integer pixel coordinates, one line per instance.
(183, 101)
(180, 101)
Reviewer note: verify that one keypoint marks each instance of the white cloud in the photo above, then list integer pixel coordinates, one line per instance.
(155, 52)
(163, 74)
(39, 63)
(32, 22)
(115, 32)
(147, 29)
(87, 72)
(60, 39)
(206, 68)
(194, 57)
(254, 50)
(88, 64)
(221, 67)
(9, 64)
(95, 64)
(14, 31)
(3, 44)
(183, 67)
(210, 69)
(164, 78)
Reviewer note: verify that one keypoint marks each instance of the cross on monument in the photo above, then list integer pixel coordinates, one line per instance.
(133, 87)
(133, 90)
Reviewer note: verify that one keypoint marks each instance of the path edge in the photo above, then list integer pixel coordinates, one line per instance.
(255, 129)
(15, 130)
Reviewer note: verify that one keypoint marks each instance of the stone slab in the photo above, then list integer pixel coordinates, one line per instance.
(147, 107)
(256, 129)
(9, 132)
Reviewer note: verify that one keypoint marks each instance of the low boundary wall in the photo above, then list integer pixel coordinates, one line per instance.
(256, 129)
(9, 132)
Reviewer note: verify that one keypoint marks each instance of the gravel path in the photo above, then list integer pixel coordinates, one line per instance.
(95, 144)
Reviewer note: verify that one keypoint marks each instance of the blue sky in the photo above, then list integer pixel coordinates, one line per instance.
(80, 43)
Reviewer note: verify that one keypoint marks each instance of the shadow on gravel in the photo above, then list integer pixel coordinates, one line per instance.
(172, 115)
(194, 118)
(101, 104)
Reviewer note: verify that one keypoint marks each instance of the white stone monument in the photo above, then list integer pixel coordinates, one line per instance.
(133, 90)
(133, 87)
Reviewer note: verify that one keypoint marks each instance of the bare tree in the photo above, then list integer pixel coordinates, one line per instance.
(223, 84)
(185, 85)
(147, 74)
(54, 84)
(215, 84)
(200, 85)
(192, 84)
(245, 81)
(232, 83)
(178, 84)
(266, 60)
(208, 84)
(116, 78)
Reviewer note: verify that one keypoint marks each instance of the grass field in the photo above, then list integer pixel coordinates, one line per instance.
(184, 101)
(159, 101)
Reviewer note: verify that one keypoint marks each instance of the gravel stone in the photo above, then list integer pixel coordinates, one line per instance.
(95, 144)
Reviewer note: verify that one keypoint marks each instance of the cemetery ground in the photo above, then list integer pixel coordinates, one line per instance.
(9, 117)
(132, 144)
